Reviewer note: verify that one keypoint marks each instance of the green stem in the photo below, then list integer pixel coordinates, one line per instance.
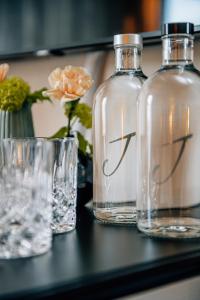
(70, 116)
(69, 125)
(74, 121)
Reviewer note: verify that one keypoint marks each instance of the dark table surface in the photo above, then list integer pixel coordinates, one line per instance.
(98, 261)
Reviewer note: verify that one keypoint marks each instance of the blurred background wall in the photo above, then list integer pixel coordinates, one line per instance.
(49, 117)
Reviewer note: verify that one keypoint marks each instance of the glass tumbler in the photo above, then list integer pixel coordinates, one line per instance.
(64, 184)
(25, 209)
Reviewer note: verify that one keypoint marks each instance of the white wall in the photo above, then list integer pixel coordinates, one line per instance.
(49, 117)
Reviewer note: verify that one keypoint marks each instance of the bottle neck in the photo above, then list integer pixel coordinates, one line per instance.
(177, 50)
(127, 58)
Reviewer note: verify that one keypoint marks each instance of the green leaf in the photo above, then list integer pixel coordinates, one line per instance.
(91, 148)
(37, 96)
(84, 145)
(84, 113)
(61, 133)
(82, 142)
(69, 108)
(13, 93)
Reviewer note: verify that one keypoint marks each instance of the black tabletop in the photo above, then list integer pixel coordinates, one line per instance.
(98, 261)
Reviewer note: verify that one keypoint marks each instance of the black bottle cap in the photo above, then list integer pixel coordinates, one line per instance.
(177, 28)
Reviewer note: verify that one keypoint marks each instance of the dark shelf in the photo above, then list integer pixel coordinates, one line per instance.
(98, 261)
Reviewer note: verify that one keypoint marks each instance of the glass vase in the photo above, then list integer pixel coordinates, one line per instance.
(17, 124)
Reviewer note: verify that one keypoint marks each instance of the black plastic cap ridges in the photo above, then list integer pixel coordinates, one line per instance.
(177, 28)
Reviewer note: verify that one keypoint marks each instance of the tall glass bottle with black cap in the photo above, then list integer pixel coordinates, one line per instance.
(114, 134)
(169, 141)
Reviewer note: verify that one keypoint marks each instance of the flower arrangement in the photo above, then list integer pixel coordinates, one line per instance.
(15, 92)
(68, 85)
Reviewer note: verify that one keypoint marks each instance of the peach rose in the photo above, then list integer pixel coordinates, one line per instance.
(68, 84)
(4, 68)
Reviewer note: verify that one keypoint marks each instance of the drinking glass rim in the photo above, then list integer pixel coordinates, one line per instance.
(68, 138)
(39, 139)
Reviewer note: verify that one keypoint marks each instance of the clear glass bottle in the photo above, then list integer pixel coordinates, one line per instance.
(114, 140)
(168, 197)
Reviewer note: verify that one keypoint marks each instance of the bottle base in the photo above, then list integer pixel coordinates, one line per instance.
(172, 228)
(119, 215)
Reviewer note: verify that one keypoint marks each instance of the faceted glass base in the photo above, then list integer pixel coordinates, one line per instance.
(119, 215)
(64, 220)
(63, 229)
(171, 227)
(24, 243)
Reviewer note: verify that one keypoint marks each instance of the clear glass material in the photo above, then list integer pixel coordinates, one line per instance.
(64, 184)
(168, 197)
(25, 209)
(114, 139)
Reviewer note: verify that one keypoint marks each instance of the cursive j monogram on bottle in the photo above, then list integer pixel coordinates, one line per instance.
(128, 138)
(183, 140)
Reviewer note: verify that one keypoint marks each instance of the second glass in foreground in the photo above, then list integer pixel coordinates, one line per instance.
(64, 184)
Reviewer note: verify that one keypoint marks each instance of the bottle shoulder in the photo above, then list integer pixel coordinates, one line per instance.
(175, 71)
(130, 73)
(121, 82)
(167, 77)
(175, 83)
